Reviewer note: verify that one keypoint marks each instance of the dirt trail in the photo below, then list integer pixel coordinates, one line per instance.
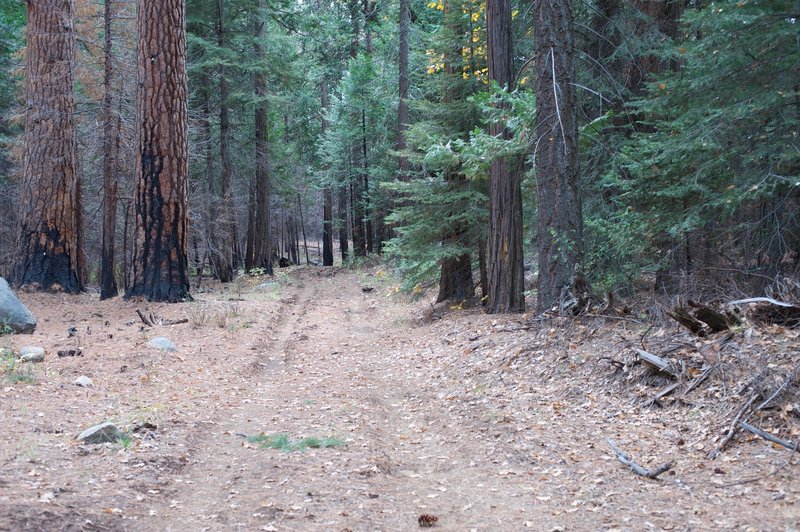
(484, 422)
(337, 367)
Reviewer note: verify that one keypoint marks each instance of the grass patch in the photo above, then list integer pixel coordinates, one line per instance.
(14, 371)
(286, 444)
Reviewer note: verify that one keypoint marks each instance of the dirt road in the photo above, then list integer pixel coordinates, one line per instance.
(473, 420)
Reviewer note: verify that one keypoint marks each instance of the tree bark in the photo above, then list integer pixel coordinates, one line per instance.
(327, 193)
(341, 221)
(560, 223)
(48, 247)
(160, 263)
(108, 282)
(261, 237)
(224, 242)
(505, 262)
(402, 106)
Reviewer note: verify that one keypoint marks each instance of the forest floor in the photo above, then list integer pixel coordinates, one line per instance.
(483, 422)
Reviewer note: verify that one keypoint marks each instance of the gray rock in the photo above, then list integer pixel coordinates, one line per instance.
(104, 433)
(83, 381)
(13, 313)
(31, 353)
(162, 343)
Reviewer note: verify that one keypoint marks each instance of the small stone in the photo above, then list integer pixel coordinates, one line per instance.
(103, 433)
(31, 353)
(162, 343)
(83, 381)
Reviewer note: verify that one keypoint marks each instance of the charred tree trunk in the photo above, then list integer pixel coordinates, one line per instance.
(160, 263)
(108, 282)
(505, 263)
(48, 247)
(560, 224)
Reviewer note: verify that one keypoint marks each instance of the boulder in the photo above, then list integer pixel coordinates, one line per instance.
(31, 353)
(13, 313)
(162, 343)
(103, 433)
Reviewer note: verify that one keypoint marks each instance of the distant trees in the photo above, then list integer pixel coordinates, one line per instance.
(160, 262)
(421, 130)
(48, 246)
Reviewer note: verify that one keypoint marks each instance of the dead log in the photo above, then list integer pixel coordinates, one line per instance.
(656, 362)
(687, 320)
(151, 320)
(636, 468)
(716, 321)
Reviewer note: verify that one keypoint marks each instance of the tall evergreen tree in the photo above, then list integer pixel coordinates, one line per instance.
(48, 248)
(160, 263)
(560, 224)
(505, 266)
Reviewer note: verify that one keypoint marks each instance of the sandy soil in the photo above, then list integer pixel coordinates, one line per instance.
(486, 423)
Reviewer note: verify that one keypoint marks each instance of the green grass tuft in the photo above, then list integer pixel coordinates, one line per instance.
(284, 443)
(13, 370)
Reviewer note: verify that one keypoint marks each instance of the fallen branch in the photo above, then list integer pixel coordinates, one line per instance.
(636, 468)
(762, 300)
(767, 436)
(666, 391)
(733, 429)
(151, 320)
(656, 362)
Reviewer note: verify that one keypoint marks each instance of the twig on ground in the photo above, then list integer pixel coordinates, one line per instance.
(733, 429)
(767, 436)
(636, 468)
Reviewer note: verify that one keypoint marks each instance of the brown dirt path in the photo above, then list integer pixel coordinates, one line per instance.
(474, 419)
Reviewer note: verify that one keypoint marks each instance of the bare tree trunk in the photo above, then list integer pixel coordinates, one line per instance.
(108, 283)
(303, 227)
(504, 261)
(560, 225)
(327, 194)
(48, 247)
(160, 263)
(341, 221)
(225, 239)
(262, 238)
(365, 193)
(402, 106)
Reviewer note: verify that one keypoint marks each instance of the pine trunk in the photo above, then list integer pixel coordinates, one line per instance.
(160, 263)
(261, 237)
(560, 224)
(341, 221)
(504, 261)
(327, 194)
(108, 282)
(402, 106)
(224, 242)
(48, 247)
